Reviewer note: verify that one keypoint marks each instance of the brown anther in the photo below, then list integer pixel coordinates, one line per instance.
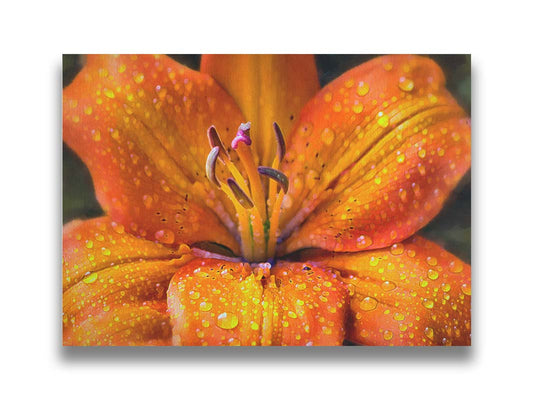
(214, 141)
(241, 197)
(210, 165)
(280, 140)
(276, 175)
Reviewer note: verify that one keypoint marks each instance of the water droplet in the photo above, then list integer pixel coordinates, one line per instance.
(227, 320)
(387, 335)
(254, 325)
(91, 278)
(374, 261)
(446, 287)
(148, 200)
(362, 88)
(456, 137)
(106, 252)
(406, 84)
(109, 93)
(194, 295)
(432, 274)
(89, 244)
(403, 195)
(465, 288)
(292, 314)
(138, 78)
(422, 153)
(357, 108)
(165, 236)
(205, 306)
(88, 110)
(118, 228)
(399, 316)
(456, 268)
(387, 286)
(429, 333)
(363, 241)
(428, 303)
(368, 304)
(431, 261)
(397, 249)
(327, 97)
(400, 158)
(327, 136)
(383, 120)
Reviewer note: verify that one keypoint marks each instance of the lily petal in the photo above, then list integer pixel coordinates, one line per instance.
(222, 303)
(413, 293)
(267, 88)
(115, 285)
(139, 123)
(374, 156)
(315, 305)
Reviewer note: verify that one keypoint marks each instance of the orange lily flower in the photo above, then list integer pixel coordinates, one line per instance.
(297, 230)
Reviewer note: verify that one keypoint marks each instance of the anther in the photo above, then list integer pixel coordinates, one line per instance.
(243, 135)
(241, 197)
(214, 141)
(210, 165)
(276, 175)
(280, 140)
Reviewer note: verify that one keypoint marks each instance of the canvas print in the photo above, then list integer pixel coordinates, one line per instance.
(266, 200)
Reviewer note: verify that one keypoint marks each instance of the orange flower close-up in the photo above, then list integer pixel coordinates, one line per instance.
(246, 205)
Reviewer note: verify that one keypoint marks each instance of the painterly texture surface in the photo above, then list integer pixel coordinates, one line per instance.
(371, 158)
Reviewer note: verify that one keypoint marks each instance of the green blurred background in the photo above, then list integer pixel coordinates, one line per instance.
(451, 228)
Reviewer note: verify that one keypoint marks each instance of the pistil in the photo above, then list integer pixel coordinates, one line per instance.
(257, 214)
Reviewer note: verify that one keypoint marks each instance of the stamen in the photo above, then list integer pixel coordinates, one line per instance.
(281, 149)
(210, 165)
(258, 227)
(277, 175)
(274, 223)
(247, 159)
(215, 141)
(240, 195)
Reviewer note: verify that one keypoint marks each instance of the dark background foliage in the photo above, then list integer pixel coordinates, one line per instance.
(451, 228)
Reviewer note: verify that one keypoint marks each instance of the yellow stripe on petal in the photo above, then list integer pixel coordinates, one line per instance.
(267, 88)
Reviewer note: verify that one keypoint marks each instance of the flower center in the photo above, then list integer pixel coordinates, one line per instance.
(257, 201)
